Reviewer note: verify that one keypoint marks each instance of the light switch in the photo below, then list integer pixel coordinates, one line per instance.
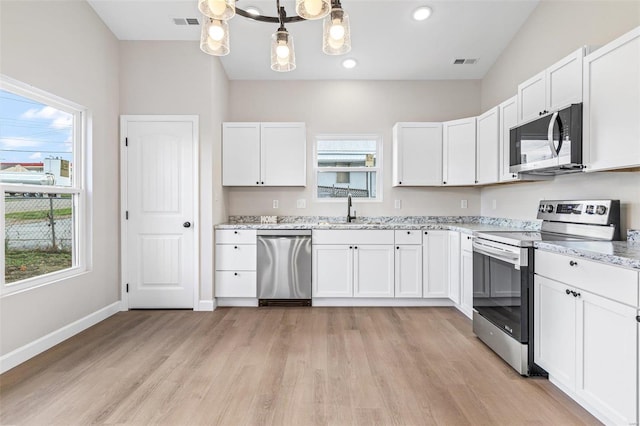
(275, 204)
(301, 203)
(397, 204)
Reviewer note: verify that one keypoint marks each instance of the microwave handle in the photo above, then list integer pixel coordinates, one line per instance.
(554, 151)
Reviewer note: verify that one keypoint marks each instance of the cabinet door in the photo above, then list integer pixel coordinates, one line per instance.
(408, 267)
(532, 97)
(607, 356)
(332, 268)
(373, 271)
(283, 149)
(241, 154)
(564, 81)
(466, 282)
(417, 154)
(487, 151)
(435, 265)
(554, 325)
(454, 266)
(459, 152)
(611, 132)
(508, 118)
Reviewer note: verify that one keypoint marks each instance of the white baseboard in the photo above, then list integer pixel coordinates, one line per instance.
(206, 305)
(28, 351)
(381, 302)
(466, 311)
(238, 301)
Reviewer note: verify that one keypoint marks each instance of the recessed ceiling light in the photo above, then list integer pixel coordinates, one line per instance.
(349, 63)
(422, 13)
(252, 10)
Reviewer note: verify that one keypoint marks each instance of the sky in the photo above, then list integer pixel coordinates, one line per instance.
(31, 131)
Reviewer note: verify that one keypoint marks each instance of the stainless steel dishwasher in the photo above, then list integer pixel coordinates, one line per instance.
(284, 267)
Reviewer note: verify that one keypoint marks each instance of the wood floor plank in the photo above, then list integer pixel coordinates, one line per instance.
(280, 366)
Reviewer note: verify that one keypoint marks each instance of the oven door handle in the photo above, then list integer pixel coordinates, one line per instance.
(505, 256)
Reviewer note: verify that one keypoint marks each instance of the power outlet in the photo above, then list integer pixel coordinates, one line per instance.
(463, 204)
(301, 203)
(275, 204)
(397, 204)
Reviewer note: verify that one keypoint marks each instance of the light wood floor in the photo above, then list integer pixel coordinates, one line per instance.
(280, 366)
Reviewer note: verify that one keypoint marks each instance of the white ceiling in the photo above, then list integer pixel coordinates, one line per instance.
(387, 43)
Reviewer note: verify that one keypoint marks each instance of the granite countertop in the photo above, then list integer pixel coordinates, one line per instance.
(620, 253)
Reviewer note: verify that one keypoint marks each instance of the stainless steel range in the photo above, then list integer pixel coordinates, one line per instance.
(503, 273)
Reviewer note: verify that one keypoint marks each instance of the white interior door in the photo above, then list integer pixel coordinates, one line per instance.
(160, 252)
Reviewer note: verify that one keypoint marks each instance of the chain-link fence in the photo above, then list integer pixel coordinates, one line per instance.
(37, 222)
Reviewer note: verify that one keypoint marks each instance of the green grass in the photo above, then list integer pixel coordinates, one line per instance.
(38, 214)
(23, 264)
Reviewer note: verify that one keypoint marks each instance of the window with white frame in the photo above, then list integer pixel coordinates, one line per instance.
(348, 164)
(42, 142)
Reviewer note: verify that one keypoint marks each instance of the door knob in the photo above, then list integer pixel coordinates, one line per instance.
(187, 224)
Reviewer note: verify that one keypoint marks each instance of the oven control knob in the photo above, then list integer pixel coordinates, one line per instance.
(601, 210)
(548, 208)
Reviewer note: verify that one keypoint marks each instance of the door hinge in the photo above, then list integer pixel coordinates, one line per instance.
(126, 215)
(126, 141)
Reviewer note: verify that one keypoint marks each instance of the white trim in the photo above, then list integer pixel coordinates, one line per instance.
(392, 302)
(467, 311)
(247, 302)
(377, 168)
(194, 120)
(206, 305)
(28, 351)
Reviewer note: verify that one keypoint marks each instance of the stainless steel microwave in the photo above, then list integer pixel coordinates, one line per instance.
(549, 145)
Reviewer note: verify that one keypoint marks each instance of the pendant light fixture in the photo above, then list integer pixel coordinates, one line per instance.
(214, 39)
(336, 34)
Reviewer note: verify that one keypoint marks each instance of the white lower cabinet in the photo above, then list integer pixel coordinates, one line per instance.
(435, 273)
(373, 271)
(408, 264)
(361, 268)
(235, 264)
(332, 271)
(466, 281)
(585, 339)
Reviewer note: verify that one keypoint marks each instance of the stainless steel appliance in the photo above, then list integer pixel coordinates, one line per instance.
(284, 267)
(549, 145)
(503, 273)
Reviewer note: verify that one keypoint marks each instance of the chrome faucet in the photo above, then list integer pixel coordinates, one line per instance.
(349, 217)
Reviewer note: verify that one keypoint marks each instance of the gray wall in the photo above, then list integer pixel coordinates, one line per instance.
(65, 49)
(354, 107)
(190, 83)
(555, 29)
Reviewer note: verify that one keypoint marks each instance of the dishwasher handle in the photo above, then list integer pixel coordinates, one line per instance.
(284, 232)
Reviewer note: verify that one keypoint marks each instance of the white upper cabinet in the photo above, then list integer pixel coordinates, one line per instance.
(459, 152)
(417, 154)
(556, 87)
(611, 113)
(487, 148)
(264, 154)
(508, 119)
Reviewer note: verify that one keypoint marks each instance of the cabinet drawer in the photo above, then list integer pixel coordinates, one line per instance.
(466, 242)
(240, 257)
(350, 236)
(408, 236)
(605, 280)
(236, 284)
(236, 236)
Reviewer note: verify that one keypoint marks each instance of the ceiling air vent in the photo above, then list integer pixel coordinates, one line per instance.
(464, 61)
(186, 21)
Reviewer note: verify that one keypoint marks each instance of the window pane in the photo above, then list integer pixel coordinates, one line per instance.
(347, 153)
(39, 236)
(36, 142)
(359, 184)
